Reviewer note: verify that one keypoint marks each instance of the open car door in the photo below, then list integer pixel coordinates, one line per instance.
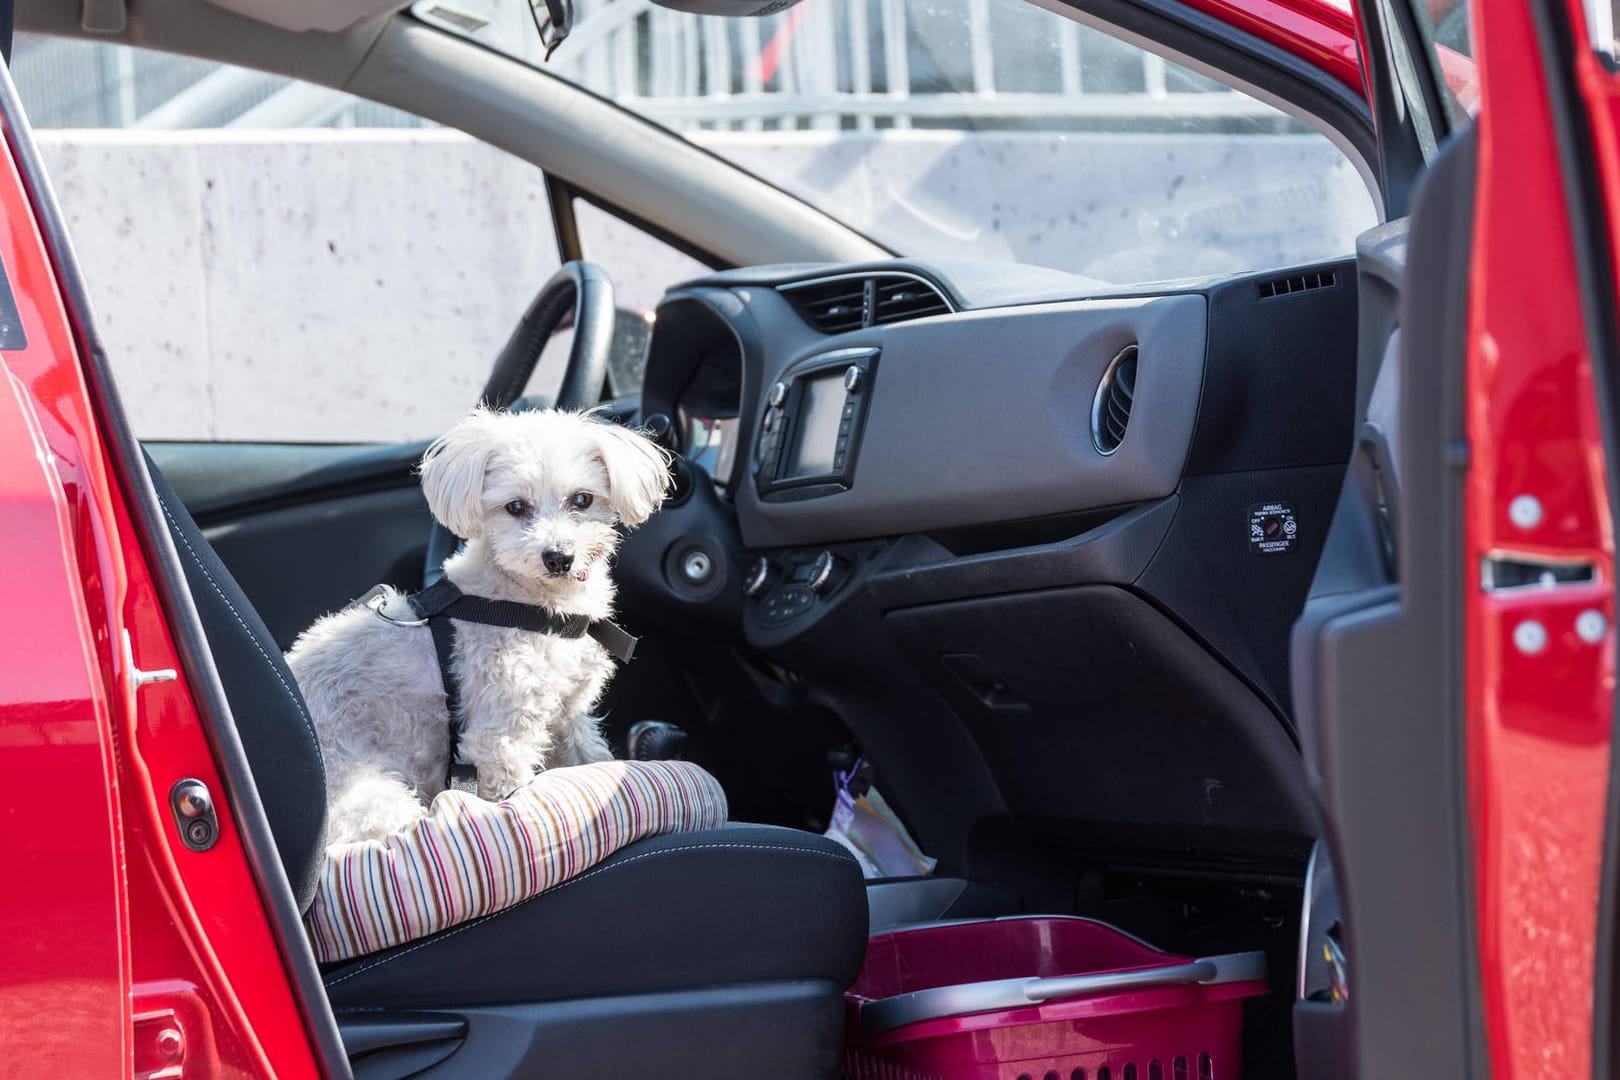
(1454, 667)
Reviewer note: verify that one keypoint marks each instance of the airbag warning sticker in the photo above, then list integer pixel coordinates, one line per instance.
(1272, 528)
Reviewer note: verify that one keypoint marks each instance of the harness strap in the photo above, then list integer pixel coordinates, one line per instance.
(444, 646)
(444, 598)
(442, 605)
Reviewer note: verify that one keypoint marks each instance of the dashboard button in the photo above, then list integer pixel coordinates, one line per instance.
(828, 572)
(787, 602)
(778, 395)
(854, 379)
(761, 574)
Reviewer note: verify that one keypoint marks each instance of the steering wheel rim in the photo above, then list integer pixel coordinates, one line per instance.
(583, 289)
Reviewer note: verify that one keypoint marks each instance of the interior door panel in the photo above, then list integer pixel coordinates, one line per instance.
(1377, 667)
(304, 529)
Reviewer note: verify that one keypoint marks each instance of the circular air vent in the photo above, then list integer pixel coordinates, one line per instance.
(1111, 409)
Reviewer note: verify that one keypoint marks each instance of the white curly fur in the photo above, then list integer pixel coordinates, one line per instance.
(374, 688)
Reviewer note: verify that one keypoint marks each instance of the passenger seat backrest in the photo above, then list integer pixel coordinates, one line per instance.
(271, 718)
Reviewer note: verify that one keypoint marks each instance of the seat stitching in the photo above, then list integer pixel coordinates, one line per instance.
(309, 725)
(840, 856)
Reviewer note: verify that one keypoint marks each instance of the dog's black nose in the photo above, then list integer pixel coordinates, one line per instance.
(557, 562)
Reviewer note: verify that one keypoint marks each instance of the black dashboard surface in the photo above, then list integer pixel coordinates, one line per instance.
(984, 414)
(1052, 596)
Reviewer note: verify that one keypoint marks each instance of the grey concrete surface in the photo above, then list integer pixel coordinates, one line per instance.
(326, 286)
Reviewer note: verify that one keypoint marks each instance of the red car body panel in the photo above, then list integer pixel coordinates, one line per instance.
(1320, 33)
(69, 935)
(119, 938)
(1539, 722)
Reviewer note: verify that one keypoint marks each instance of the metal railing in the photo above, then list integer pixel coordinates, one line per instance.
(840, 64)
(825, 65)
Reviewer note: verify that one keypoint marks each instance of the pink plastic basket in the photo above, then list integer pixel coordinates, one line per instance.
(1044, 998)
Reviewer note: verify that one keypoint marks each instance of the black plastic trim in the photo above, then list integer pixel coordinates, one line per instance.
(564, 223)
(129, 469)
(367, 1032)
(1399, 160)
(786, 1030)
(1279, 375)
(240, 486)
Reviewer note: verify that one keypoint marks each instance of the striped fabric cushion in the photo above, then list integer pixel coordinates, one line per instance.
(468, 858)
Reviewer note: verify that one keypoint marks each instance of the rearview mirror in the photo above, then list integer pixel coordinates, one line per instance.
(553, 19)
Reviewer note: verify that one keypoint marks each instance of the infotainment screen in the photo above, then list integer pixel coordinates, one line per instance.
(816, 441)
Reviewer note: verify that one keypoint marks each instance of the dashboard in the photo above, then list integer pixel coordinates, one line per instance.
(893, 424)
(1026, 517)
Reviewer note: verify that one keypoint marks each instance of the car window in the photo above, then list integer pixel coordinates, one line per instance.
(274, 261)
(613, 242)
(984, 128)
(1445, 29)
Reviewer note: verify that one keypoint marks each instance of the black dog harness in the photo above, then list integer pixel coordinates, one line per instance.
(441, 605)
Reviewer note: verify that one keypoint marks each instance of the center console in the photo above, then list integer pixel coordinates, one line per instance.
(786, 590)
(811, 431)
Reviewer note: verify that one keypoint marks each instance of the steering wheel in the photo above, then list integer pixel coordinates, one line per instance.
(578, 288)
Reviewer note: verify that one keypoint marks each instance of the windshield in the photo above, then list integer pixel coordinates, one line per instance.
(983, 128)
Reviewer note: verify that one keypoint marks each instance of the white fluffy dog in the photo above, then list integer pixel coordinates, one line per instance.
(536, 495)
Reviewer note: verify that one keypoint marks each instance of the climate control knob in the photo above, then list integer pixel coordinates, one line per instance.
(827, 572)
(760, 577)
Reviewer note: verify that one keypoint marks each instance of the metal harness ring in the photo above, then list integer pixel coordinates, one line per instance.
(375, 603)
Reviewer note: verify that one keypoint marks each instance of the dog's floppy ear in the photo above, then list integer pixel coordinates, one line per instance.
(453, 472)
(637, 471)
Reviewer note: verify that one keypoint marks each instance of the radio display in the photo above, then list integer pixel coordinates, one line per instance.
(815, 443)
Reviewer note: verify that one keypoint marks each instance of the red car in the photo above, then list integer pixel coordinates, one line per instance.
(1269, 610)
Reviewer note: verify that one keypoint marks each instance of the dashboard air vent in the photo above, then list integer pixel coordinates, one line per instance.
(1111, 408)
(899, 299)
(834, 305)
(1286, 286)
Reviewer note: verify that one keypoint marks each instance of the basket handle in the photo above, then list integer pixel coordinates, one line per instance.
(889, 1013)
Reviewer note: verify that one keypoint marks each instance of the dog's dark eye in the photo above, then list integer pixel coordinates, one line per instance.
(582, 500)
(517, 508)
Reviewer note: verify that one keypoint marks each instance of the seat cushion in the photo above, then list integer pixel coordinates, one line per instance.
(468, 857)
(746, 903)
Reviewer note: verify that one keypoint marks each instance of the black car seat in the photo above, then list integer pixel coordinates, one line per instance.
(716, 953)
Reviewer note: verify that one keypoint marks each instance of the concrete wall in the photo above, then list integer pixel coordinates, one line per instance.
(356, 285)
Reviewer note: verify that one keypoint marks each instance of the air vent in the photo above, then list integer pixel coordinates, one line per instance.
(831, 306)
(1287, 286)
(834, 305)
(1111, 409)
(902, 299)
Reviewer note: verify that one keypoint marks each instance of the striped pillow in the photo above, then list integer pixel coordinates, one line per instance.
(468, 858)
